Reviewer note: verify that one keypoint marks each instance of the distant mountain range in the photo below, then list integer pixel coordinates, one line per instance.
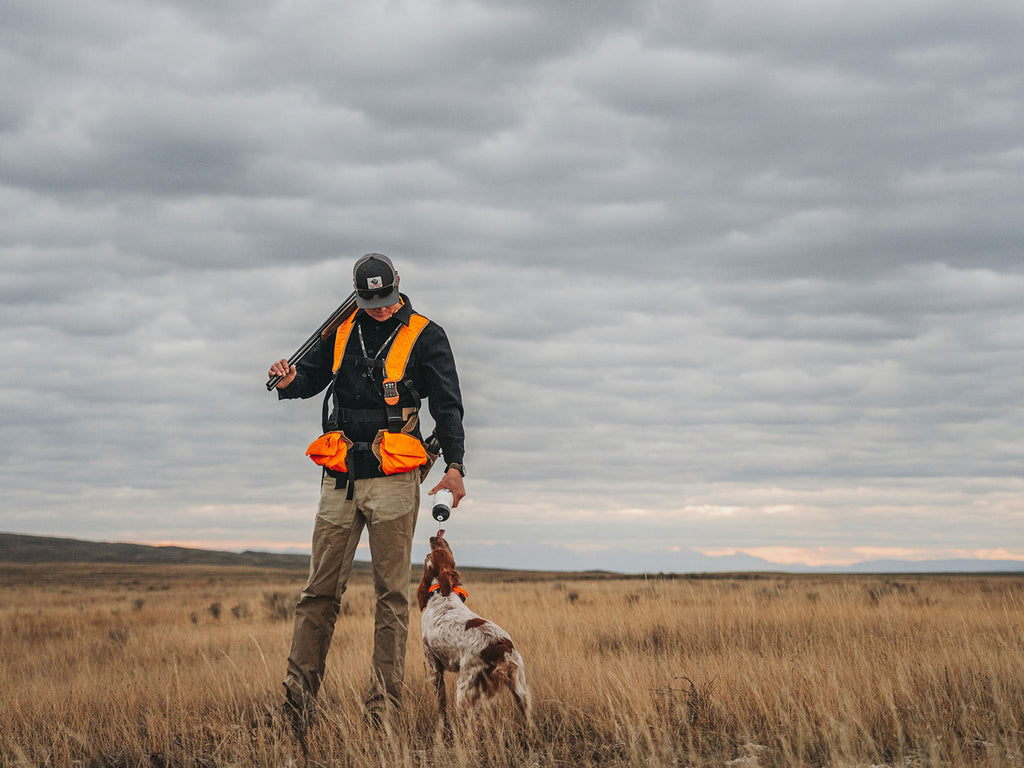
(20, 548)
(688, 561)
(935, 566)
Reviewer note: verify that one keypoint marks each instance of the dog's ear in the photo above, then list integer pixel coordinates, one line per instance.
(444, 566)
(444, 582)
(423, 591)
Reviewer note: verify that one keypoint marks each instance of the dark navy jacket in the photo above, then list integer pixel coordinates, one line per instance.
(358, 387)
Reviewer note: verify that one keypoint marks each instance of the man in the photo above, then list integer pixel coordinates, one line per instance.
(377, 367)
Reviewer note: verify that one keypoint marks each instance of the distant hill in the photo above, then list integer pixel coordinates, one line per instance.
(19, 548)
(937, 566)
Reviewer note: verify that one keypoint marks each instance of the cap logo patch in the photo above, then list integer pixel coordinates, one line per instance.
(374, 282)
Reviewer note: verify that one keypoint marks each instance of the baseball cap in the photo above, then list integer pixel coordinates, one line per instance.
(376, 281)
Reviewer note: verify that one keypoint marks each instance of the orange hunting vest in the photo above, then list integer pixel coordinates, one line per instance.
(396, 451)
(398, 356)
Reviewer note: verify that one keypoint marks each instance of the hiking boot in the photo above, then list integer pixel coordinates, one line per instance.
(296, 715)
(376, 719)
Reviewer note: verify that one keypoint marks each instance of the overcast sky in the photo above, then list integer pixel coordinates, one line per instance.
(721, 278)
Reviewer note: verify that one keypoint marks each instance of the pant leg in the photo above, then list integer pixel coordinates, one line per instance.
(390, 505)
(336, 533)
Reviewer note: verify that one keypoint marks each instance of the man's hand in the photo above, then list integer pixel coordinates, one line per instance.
(282, 369)
(452, 480)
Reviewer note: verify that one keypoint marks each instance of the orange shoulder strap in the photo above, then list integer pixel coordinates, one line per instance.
(401, 347)
(341, 340)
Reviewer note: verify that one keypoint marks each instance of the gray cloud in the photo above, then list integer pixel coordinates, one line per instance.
(716, 277)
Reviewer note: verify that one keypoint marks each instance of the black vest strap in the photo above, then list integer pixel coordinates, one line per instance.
(391, 417)
(366, 362)
(371, 415)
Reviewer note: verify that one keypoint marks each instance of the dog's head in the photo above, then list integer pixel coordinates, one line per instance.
(439, 565)
(438, 542)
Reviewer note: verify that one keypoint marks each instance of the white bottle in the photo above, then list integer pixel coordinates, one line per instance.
(442, 505)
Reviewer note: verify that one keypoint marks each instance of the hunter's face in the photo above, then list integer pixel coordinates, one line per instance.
(383, 313)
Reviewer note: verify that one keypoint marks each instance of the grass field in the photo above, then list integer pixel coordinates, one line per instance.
(179, 666)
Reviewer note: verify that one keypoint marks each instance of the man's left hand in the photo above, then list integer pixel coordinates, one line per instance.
(452, 480)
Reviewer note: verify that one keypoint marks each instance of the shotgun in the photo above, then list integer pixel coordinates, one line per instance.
(330, 325)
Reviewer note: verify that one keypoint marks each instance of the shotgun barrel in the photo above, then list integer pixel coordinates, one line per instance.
(326, 329)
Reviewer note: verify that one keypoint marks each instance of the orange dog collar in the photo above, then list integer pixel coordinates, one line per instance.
(457, 590)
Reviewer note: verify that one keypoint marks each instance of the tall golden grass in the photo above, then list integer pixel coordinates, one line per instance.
(158, 666)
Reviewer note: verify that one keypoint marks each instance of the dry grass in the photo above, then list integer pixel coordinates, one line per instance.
(155, 666)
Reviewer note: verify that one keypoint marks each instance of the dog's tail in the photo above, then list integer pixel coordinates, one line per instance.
(520, 692)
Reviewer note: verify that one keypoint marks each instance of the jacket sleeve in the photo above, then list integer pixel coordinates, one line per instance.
(313, 372)
(438, 381)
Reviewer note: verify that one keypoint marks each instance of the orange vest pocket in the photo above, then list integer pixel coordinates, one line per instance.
(400, 452)
(329, 450)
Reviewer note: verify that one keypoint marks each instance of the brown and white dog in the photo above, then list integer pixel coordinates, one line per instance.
(457, 640)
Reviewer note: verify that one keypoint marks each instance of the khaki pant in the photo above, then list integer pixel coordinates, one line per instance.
(387, 507)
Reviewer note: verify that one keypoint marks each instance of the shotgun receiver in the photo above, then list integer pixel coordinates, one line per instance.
(330, 325)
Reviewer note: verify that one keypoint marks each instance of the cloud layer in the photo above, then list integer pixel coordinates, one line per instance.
(717, 278)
